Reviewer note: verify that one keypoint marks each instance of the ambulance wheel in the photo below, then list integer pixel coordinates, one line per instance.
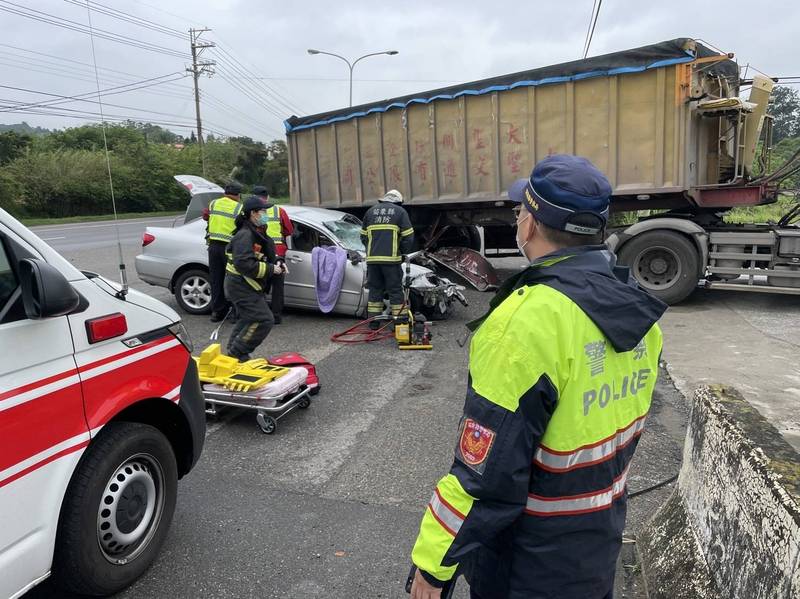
(267, 424)
(304, 403)
(117, 510)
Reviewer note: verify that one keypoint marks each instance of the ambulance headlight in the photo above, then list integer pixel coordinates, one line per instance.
(182, 335)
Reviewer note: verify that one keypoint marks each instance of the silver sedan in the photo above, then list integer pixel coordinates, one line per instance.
(177, 259)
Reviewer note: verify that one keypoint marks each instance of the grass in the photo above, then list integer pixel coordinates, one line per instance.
(761, 214)
(34, 222)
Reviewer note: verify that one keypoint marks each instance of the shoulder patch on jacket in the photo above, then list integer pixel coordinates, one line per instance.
(475, 441)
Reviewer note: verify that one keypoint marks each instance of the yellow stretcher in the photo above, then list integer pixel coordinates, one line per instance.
(273, 391)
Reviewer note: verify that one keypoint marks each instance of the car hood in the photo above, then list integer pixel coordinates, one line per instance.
(137, 298)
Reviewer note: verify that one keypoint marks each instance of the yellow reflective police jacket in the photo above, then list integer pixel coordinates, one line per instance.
(222, 214)
(561, 375)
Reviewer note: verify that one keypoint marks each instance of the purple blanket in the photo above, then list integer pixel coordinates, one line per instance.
(328, 264)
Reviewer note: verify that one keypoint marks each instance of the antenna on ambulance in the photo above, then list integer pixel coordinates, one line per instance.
(122, 273)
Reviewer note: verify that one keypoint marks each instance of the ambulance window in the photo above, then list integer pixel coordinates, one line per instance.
(8, 280)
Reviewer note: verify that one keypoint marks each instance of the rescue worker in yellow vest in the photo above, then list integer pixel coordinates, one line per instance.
(222, 214)
(251, 263)
(561, 375)
(279, 227)
(387, 234)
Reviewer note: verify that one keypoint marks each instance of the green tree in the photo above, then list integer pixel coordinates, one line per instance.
(785, 111)
(276, 169)
(12, 145)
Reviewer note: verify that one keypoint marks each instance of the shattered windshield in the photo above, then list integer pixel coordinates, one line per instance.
(349, 234)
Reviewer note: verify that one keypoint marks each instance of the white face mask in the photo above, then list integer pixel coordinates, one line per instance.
(521, 245)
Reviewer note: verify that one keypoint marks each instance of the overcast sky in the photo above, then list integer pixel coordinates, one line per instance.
(439, 43)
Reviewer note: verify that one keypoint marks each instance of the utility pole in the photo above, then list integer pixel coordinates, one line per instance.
(199, 67)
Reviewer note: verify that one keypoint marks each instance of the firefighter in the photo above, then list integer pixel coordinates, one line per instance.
(279, 227)
(251, 262)
(222, 214)
(387, 234)
(561, 375)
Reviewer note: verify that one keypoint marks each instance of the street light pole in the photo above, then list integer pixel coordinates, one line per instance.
(352, 65)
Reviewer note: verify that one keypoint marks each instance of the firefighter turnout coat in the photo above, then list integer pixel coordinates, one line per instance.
(387, 233)
(251, 255)
(561, 376)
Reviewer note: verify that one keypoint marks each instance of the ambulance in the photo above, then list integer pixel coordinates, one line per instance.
(101, 413)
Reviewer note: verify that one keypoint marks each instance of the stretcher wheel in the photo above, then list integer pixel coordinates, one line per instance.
(304, 403)
(267, 424)
(314, 391)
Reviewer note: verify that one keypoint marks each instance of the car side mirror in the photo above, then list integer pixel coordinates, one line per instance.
(45, 291)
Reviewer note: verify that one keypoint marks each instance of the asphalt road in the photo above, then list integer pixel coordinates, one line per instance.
(329, 506)
(72, 237)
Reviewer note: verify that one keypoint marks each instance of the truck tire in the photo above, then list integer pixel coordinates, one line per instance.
(466, 236)
(664, 263)
(192, 291)
(117, 510)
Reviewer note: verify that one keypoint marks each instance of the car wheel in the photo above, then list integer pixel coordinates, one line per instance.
(117, 510)
(193, 291)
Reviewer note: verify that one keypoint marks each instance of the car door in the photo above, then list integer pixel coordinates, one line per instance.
(299, 288)
(43, 430)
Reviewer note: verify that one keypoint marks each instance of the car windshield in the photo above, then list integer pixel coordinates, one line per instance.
(349, 234)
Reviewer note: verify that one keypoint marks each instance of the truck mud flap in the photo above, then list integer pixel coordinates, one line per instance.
(467, 264)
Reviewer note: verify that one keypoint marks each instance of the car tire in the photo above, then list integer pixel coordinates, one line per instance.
(664, 263)
(192, 291)
(117, 510)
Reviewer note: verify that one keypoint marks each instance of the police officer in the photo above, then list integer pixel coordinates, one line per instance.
(387, 234)
(251, 262)
(279, 227)
(561, 376)
(222, 214)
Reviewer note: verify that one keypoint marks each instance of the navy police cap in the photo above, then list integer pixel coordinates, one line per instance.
(565, 192)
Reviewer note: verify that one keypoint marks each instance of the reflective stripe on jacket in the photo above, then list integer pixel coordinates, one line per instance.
(222, 214)
(250, 256)
(561, 376)
(387, 233)
(274, 229)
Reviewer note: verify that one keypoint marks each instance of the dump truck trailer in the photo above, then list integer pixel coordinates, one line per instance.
(664, 122)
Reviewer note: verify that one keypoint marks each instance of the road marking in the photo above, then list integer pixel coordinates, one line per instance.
(52, 238)
(122, 223)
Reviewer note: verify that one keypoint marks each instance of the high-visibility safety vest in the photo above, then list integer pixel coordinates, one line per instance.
(222, 214)
(274, 228)
(561, 376)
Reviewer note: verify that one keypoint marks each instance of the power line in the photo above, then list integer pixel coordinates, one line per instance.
(76, 73)
(232, 112)
(252, 97)
(129, 18)
(77, 62)
(242, 69)
(71, 73)
(592, 24)
(106, 92)
(80, 28)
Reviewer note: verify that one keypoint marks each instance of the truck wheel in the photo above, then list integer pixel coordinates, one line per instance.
(664, 263)
(192, 291)
(117, 510)
(466, 236)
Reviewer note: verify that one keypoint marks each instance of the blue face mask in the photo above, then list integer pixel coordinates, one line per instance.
(264, 218)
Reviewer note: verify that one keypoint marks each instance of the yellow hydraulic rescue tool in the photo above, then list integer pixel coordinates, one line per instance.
(219, 369)
(411, 331)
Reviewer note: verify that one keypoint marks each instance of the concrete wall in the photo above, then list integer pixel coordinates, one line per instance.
(731, 528)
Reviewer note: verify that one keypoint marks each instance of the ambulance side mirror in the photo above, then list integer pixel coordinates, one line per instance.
(45, 291)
